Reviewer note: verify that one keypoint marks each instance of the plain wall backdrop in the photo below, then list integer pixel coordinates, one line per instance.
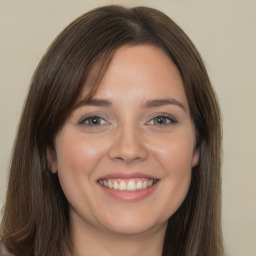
(224, 32)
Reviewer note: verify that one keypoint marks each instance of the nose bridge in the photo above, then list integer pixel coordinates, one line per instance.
(128, 144)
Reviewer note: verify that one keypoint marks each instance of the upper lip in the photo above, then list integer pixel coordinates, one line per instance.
(127, 176)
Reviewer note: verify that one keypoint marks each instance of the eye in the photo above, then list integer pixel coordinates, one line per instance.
(162, 120)
(93, 121)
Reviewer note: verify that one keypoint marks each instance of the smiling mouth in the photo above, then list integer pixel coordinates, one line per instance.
(128, 184)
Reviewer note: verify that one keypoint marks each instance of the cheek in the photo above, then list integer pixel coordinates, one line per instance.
(75, 154)
(77, 160)
(175, 154)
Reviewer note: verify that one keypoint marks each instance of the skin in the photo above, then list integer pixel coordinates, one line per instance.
(127, 138)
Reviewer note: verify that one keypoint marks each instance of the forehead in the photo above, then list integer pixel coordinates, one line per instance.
(140, 70)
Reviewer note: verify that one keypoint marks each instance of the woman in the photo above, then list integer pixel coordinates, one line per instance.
(118, 148)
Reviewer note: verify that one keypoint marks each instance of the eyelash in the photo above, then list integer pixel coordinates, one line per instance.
(91, 118)
(166, 119)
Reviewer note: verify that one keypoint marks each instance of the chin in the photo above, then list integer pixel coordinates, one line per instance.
(134, 228)
(133, 223)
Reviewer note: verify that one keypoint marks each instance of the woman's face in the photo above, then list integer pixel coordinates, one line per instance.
(124, 159)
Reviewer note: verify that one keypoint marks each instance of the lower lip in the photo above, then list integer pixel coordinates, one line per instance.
(130, 196)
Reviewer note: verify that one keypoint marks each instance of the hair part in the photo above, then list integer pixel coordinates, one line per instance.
(36, 213)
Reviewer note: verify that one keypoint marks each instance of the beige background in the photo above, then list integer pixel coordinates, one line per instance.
(224, 31)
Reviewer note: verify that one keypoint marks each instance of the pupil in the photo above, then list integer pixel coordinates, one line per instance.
(94, 120)
(160, 120)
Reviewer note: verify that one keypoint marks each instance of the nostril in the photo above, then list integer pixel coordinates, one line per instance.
(128, 146)
(125, 155)
(119, 158)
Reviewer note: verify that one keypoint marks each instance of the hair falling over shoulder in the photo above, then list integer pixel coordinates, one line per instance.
(36, 213)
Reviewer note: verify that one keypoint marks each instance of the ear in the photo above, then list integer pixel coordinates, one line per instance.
(195, 158)
(52, 160)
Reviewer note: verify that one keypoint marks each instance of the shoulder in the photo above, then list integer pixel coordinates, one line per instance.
(3, 250)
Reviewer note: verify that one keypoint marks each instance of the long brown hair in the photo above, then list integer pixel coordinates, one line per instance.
(36, 213)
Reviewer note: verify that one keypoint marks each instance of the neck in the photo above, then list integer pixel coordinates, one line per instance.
(89, 241)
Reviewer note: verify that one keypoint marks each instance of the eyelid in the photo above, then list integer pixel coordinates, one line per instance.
(172, 119)
(91, 115)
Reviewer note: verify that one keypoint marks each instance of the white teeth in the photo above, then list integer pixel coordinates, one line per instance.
(122, 185)
(128, 185)
(110, 185)
(116, 186)
(139, 185)
(144, 184)
(150, 183)
(131, 186)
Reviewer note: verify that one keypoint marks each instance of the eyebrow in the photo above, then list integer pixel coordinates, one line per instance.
(162, 102)
(148, 104)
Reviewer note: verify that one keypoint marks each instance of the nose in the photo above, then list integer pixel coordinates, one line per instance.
(128, 146)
